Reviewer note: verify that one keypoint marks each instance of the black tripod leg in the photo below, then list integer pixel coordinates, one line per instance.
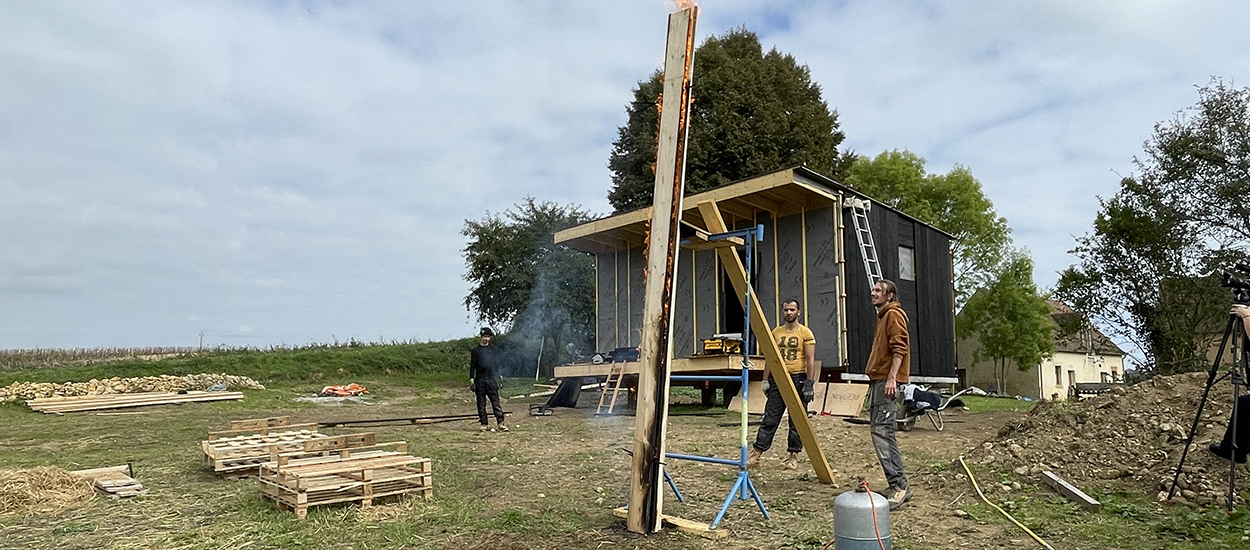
(1233, 428)
(1215, 365)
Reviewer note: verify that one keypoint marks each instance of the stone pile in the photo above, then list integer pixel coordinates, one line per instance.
(1131, 436)
(115, 385)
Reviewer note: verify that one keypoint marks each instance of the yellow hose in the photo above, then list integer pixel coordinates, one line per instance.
(1000, 510)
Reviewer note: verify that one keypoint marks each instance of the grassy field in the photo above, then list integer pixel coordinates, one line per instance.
(552, 482)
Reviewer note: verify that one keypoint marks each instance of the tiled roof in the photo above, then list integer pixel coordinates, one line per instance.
(1084, 340)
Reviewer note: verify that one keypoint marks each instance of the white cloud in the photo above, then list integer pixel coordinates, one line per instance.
(291, 171)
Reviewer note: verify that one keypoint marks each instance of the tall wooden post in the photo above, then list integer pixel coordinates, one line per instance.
(646, 484)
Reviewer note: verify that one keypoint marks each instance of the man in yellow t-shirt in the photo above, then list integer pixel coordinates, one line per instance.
(798, 350)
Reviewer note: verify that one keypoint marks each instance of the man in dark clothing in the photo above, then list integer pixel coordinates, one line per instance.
(1235, 445)
(483, 373)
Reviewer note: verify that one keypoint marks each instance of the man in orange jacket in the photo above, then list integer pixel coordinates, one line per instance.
(889, 364)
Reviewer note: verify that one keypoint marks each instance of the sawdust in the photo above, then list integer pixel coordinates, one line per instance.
(44, 489)
(1131, 437)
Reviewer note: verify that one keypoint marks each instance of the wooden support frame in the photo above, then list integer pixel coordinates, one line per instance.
(646, 486)
(772, 354)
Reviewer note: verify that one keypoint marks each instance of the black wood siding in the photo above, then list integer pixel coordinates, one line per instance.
(927, 300)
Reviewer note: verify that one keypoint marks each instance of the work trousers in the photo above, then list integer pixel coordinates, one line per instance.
(884, 412)
(1243, 427)
(487, 388)
(774, 407)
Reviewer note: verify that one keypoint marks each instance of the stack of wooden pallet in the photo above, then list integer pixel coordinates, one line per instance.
(238, 451)
(59, 405)
(361, 477)
(113, 481)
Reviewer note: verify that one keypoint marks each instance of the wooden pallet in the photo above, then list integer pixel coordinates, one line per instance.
(239, 456)
(244, 434)
(113, 482)
(60, 405)
(243, 452)
(362, 477)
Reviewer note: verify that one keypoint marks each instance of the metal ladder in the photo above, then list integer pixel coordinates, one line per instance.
(863, 233)
(616, 371)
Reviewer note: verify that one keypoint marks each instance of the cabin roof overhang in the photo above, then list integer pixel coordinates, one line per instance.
(778, 194)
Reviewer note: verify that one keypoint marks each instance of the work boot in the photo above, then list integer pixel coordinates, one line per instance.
(791, 462)
(896, 496)
(753, 458)
(1226, 452)
(484, 428)
(503, 428)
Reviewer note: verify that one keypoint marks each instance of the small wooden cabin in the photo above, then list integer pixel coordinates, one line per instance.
(809, 252)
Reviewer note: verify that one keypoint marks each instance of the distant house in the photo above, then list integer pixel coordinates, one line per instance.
(1084, 356)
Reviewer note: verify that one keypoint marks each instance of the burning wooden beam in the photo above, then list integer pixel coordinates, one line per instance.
(646, 484)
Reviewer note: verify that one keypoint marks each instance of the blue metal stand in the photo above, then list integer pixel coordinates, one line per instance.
(742, 489)
(673, 485)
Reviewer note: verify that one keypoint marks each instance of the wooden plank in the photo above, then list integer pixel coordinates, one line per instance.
(700, 364)
(104, 398)
(190, 397)
(693, 527)
(263, 430)
(840, 399)
(1068, 490)
(94, 472)
(772, 354)
(646, 484)
(121, 398)
(760, 193)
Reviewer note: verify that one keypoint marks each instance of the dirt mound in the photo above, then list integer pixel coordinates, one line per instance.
(1132, 436)
(42, 489)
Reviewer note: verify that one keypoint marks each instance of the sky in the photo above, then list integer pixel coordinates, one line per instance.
(283, 173)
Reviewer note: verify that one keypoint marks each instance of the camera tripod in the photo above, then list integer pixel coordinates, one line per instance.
(1234, 333)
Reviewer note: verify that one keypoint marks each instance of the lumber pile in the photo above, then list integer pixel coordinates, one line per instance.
(108, 386)
(59, 405)
(240, 450)
(112, 482)
(361, 477)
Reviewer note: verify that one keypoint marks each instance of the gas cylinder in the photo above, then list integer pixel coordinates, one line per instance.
(853, 520)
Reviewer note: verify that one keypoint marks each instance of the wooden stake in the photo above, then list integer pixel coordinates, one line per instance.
(772, 354)
(1068, 490)
(646, 484)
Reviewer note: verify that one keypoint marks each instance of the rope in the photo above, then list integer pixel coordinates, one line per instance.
(1000, 510)
(873, 507)
(864, 485)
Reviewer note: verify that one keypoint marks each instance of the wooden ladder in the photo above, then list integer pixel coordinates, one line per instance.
(616, 371)
(863, 234)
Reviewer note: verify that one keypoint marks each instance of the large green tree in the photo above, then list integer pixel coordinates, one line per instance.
(1148, 271)
(1009, 319)
(520, 278)
(752, 112)
(953, 202)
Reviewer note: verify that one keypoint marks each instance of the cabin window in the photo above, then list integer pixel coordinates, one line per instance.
(1058, 376)
(906, 263)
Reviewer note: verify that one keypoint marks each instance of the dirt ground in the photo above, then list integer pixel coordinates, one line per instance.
(800, 505)
(553, 481)
(1130, 438)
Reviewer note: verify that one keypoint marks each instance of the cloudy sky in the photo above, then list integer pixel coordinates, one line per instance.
(295, 172)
